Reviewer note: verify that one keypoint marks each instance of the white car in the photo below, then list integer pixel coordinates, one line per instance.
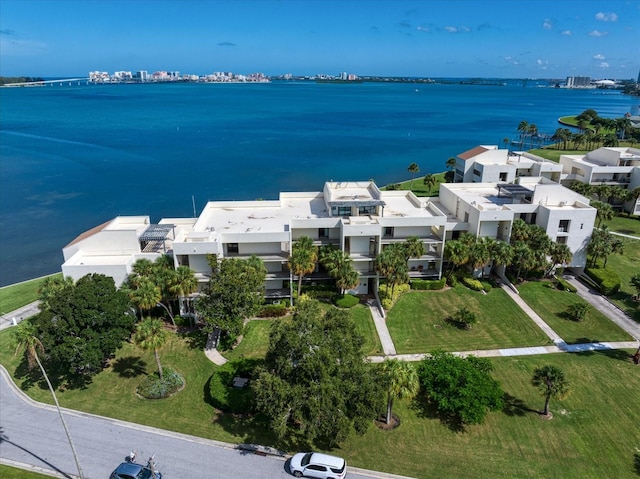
(316, 464)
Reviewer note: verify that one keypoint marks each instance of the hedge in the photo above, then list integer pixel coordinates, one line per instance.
(607, 279)
(347, 301)
(273, 311)
(424, 284)
(472, 283)
(564, 285)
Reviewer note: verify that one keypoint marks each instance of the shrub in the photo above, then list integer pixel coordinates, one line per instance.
(273, 311)
(347, 301)
(422, 284)
(465, 318)
(224, 395)
(182, 321)
(607, 280)
(472, 283)
(152, 387)
(564, 285)
(577, 311)
(452, 281)
(486, 285)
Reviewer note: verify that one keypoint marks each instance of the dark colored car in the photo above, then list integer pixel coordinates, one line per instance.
(132, 470)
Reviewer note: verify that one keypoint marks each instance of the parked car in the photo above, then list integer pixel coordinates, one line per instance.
(133, 470)
(316, 464)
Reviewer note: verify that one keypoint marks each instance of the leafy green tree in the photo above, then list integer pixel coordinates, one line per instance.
(303, 259)
(151, 335)
(235, 292)
(551, 382)
(635, 283)
(430, 181)
(413, 169)
(50, 287)
(400, 379)
(315, 378)
(465, 317)
(25, 336)
(83, 326)
(462, 389)
(413, 248)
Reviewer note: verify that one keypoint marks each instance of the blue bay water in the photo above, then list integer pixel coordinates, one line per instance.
(73, 157)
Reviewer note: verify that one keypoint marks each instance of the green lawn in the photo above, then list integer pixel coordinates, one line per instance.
(15, 296)
(593, 433)
(554, 155)
(589, 437)
(551, 304)
(418, 322)
(629, 225)
(626, 265)
(7, 472)
(418, 186)
(364, 325)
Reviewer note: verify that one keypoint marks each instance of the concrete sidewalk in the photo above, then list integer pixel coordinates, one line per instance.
(13, 317)
(388, 348)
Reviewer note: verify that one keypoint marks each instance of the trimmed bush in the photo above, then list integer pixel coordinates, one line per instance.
(152, 387)
(385, 294)
(452, 281)
(347, 301)
(564, 285)
(472, 283)
(486, 285)
(423, 284)
(577, 311)
(607, 280)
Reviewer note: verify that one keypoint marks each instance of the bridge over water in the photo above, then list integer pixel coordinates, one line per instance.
(62, 82)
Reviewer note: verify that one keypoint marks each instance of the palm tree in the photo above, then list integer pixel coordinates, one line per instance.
(50, 287)
(401, 381)
(413, 248)
(303, 258)
(506, 141)
(633, 196)
(430, 181)
(150, 334)
(451, 163)
(340, 268)
(26, 337)
(604, 211)
(501, 253)
(457, 253)
(413, 169)
(523, 128)
(184, 282)
(552, 384)
(144, 294)
(391, 263)
(479, 254)
(560, 254)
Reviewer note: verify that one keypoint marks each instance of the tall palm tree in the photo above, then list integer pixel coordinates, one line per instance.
(604, 211)
(413, 169)
(145, 294)
(457, 253)
(340, 267)
(184, 282)
(391, 263)
(26, 337)
(501, 253)
(430, 181)
(552, 384)
(303, 258)
(523, 128)
(560, 254)
(151, 335)
(401, 381)
(451, 163)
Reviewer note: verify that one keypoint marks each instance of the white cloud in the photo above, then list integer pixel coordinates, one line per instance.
(465, 29)
(539, 62)
(566, 33)
(604, 65)
(598, 57)
(451, 29)
(547, 25)
(597, 33)
(423, 29)
(607, 17)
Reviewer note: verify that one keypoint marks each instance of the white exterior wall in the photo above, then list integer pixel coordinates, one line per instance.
(359, 245)
(105, 242)
(118, 272)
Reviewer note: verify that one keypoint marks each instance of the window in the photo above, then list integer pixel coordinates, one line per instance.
(366, 210)
(561, 240)
(466, 216)
(581, 225)
(503, 177)
(341, 210)
(564, 226)
(477, 172)
(232, 248)
(388, 231)
(323, 232)
(315, 467)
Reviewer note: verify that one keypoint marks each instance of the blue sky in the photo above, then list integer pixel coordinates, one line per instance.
(427, 38)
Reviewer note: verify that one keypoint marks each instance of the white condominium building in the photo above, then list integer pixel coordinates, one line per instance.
(356, 217)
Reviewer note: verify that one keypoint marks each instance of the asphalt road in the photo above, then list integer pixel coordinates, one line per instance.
(32, 434)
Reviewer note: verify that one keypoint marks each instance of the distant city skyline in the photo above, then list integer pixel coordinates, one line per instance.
(423, 38)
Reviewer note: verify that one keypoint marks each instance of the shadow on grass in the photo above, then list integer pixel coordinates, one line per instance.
(195, 339)
(617, 354)
(456, 324)
(636, 463)
(426, 409)
(514, 406)
(130, 366)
